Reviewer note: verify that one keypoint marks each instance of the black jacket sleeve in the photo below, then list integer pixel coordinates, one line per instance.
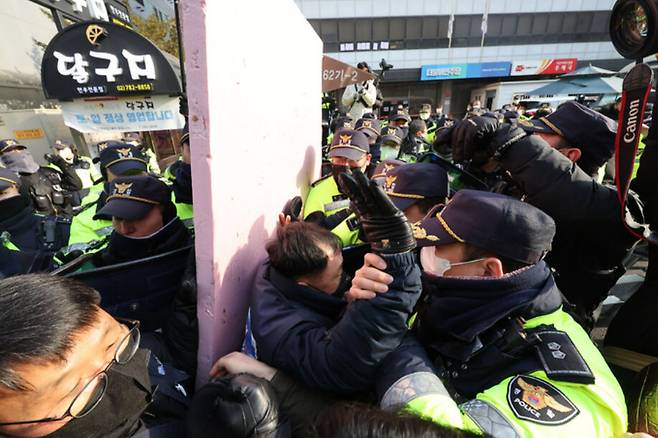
(557, 186)
(70, 179)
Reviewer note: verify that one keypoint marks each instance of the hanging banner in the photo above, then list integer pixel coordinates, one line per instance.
(145, 113)
(97, 58)
(543, 67)
(337, 74)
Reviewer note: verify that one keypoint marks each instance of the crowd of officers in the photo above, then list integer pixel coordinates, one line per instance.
(489, 243)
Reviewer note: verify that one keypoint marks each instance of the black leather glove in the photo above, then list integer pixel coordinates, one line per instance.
(480, 138)
(239, 405)
(183, 107)
(56, 160)
(385, 227)
(293, 208)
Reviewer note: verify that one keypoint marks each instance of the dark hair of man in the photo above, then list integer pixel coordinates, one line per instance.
(346, 420)
(296, 250)
(417, 125)
(473, 253)
(39, 317)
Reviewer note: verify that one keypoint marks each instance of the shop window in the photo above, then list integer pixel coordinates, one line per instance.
(569, 24)
(363, 30)
(414, 28)
(430, 27)
(494, 25)
(380, 29)
(509, 25)
(329, 31)
(555, 23)
(397, 28)
(462, 26)
(600, 22)
(346, 30)
(539, 24)
(524, 26)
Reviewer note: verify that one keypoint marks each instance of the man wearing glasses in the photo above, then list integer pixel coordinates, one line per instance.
(69, 369)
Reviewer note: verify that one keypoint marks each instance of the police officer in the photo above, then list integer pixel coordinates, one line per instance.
(84, 166)
(591, 240)
(414, 144)
(116, 159)
(29, 240)
(325, 204)
(50, 190)
(135, 139)
(425, 114)
(144, 221)
(371, 127)
(382, 169)
(509, 361)
(180, 176)
(416, 188)
(391, 139)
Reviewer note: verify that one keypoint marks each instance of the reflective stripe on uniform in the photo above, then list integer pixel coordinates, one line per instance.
(489, 419)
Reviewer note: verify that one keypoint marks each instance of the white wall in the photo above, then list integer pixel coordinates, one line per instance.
(242, 179)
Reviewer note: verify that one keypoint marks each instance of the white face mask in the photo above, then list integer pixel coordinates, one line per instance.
(424, 116)
(438, 266)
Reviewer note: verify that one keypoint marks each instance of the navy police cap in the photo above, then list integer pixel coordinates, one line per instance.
(122, 158)
(349, 144)
(493, 222)
(369, 127)
(582, 127)
(408, 184)
(10, 143)
(132, 197)
(8, 178)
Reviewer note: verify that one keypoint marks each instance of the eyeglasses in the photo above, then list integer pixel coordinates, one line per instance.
(92, 393)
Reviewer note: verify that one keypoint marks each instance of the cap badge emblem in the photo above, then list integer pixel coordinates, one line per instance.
(345, 140)
(124, 153)
(421, 233)
(121, 188)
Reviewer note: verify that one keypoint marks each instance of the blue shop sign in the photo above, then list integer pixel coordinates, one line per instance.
(463, 71)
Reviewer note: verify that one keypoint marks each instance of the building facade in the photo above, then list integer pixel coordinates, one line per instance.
(442, 50)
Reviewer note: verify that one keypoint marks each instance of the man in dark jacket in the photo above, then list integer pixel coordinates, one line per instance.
(50, 189)
(554, 172)
(300, 320)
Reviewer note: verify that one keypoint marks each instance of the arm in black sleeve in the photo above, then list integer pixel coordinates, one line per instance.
(301, 405)
(344, 358)
(70, 179)
(554, 184)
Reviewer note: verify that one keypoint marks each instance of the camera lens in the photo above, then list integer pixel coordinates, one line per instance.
(632, 28)
(633, 23)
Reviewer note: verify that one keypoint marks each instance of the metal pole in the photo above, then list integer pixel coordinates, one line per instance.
(180, 47)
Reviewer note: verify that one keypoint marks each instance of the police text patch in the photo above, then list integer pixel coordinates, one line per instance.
(538, 401)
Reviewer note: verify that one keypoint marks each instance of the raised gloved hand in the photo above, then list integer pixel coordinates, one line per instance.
(480, 138)
(238, 405)
(57, 161)
(385, 227)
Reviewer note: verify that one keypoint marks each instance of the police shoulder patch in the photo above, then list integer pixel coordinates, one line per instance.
(538, 401)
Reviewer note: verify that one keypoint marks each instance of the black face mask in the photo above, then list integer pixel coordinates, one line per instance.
(343, 286)
(118, 414)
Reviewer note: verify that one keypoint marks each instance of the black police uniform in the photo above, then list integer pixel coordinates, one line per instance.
(30, 239)
(50, 189)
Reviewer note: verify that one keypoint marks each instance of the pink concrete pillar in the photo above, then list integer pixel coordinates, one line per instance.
(254, 87)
